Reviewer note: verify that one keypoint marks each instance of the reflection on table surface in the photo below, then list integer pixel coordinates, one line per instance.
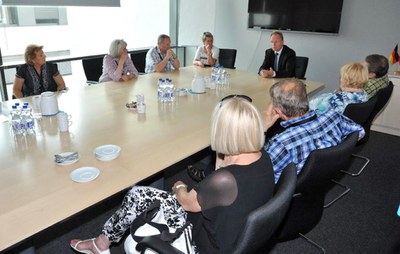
(36, 192)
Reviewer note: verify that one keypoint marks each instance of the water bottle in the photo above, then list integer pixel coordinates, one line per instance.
(220, 75)
(27, 119)
(160, 89)
(167, 92)
(171, 91)
(16, 124)
(163, 91)
(214, 74)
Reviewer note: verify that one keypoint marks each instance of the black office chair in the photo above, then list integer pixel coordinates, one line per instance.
(93, 68)
(301, 67)
(360, 113)
(260, 224)
(383, 96)
(313, 183)
(227, 58)
(139, 60)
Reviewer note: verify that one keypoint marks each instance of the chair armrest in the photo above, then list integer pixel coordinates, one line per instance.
(156, 244)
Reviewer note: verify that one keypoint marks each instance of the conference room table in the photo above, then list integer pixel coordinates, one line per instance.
(36, 193)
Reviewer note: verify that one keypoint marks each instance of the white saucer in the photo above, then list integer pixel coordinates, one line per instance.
(67, 162)
(84, 174)
(107, 158)
(107, 151)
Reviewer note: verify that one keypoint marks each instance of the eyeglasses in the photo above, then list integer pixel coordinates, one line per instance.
(247, 98)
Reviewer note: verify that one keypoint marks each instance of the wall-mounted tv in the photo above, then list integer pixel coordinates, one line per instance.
(315, 16)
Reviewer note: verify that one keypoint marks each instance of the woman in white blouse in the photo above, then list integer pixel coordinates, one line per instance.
(208, 54)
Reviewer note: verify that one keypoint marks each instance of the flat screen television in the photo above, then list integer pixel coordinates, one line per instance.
(315, 16)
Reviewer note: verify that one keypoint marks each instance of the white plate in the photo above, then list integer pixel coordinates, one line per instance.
(67, 162)
(84, 174)
(107, 151)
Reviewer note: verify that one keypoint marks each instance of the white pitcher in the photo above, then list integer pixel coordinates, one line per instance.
(48, 104)
(198, 85)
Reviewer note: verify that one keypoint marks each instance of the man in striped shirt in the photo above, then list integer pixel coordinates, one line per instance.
(304, 131)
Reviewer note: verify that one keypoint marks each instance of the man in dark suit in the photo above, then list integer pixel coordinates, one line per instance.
(280, 60)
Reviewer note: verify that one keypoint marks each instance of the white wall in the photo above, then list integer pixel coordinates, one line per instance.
(367, 26)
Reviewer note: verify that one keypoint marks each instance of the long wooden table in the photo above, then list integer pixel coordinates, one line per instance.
(36, 193)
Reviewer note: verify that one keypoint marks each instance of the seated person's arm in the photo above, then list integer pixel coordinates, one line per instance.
(188, 200)
(60, 82)
(211, 60)
(17, 87)
(176, 63)
(133, 72)
(159, 67)
(197, 62)
(270, 117)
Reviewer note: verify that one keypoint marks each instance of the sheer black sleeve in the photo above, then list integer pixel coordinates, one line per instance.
(218, 189)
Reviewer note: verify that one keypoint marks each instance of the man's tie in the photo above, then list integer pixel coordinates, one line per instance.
(276, 61)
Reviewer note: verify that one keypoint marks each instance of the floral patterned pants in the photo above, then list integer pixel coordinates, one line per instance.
(137, 200)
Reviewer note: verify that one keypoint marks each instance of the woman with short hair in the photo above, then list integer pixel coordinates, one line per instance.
(117, 65)
(220, 203)
(36, 75)
(353, 79)
(207, 54)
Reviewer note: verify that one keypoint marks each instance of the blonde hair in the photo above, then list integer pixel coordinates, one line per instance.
(30, 53)
(237, 127)
(353, 75)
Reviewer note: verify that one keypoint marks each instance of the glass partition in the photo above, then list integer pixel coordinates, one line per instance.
(81, 31)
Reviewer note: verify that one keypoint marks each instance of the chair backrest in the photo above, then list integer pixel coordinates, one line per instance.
(227, 58)
(93, 68)
(139, 60)
(301, 67)
(262, 222)
(313, 182)
(360, 112)
(323, 164)
(382, 98)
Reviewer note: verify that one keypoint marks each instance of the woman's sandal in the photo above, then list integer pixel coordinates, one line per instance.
(75, 247)
(195, 173)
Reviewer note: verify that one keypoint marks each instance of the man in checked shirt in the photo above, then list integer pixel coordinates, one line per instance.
(303, 131)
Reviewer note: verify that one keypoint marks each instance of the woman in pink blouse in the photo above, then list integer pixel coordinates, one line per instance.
(117, 65)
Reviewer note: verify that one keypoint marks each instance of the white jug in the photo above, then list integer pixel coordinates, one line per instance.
(198, 85)
(48, 104)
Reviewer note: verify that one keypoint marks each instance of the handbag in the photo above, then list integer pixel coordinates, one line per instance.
(152, 223)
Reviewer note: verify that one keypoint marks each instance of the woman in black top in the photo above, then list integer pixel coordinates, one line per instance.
(36, 75)
(220, 203)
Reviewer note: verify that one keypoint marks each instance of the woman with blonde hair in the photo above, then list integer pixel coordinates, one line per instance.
(36, 75)
(353, 79)
(220, 203)
(117, 65)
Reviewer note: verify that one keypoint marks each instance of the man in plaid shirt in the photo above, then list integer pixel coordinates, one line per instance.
(378, 67)
(304, 131)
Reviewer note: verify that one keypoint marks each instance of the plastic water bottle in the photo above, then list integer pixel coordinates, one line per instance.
(27, 119)
(220, 75)
(214, 74)
(170, 90)
(160, 89)
(167, 92)
(163, 91)
(16, 123)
